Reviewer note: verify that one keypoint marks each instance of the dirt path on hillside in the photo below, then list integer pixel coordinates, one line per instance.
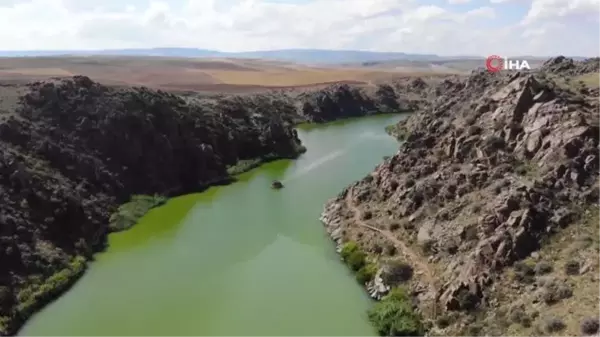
(422, 268)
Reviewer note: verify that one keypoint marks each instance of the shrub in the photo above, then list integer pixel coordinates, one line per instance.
(474, 329)
(390, 250)
(129, 213)
(396, 272)
(353, 256)
(555, 291)
(32, 297)
(356, 260)
(443, 321)
(428, 247)
(553, 324)
(244, 166)
(519, 316)
(542, 268)
(394, 315)
(524, 272)
(590, 326)
(467, 300)
(394, 226)
(572, 267)
(366, 273)
(348, 248)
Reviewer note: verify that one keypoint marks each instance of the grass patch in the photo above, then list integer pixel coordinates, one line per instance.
(591, 80)
(129, 213)
(394, 315)
(35, 296)
(246, 165)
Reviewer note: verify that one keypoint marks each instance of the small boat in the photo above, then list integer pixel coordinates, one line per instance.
(276, 184)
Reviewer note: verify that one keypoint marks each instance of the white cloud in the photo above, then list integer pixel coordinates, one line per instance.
(235, 25)
(548, 9)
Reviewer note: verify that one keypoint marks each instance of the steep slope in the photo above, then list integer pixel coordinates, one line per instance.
(486, 182)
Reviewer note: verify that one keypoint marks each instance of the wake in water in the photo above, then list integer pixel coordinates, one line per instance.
(373, 135)
(363, 137)
(317, 163)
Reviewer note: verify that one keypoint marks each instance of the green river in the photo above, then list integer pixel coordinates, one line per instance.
(241, 259)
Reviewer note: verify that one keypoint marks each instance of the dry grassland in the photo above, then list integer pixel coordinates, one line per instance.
(208, 75)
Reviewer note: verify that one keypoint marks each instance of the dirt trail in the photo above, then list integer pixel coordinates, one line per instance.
(421, 267)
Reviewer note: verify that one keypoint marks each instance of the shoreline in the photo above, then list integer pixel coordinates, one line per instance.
(376, 288)
(54, 293)
(17, 323)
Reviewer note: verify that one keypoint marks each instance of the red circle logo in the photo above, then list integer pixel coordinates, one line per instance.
(494, 63)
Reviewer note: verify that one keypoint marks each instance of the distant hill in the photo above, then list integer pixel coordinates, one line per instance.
(309, 56)
(289, 55)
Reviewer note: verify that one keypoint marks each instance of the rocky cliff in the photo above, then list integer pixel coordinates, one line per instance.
(72, 150)
(492, 200)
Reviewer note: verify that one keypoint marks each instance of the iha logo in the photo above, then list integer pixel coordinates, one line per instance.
(496, 63)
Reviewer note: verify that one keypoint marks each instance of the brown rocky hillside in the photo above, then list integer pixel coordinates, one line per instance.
(492, 199)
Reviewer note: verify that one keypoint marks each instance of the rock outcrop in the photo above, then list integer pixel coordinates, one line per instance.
(496, 167)
(568, 67)
(342, 100)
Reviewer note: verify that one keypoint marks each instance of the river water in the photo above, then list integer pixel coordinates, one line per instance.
(241, 259)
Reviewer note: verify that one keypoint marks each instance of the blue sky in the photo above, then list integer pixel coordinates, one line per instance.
(445, 27)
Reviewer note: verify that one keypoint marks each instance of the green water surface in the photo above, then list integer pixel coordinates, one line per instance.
(242, 259)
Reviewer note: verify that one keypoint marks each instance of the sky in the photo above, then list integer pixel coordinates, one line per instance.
(443, 27)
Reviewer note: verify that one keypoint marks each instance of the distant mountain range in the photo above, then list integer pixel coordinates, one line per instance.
(318, 56)
(289, 55)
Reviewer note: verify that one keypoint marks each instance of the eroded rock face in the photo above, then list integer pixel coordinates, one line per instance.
(343, 100)
(495, 166)
(565, 66)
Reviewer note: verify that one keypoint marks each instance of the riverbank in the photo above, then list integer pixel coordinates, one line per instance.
(74, 151)
(487, 180)
(236, 290)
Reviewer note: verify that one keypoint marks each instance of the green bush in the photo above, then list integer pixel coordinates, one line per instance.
(32, 297)
(129, 213)
(244, 166)
(348, 248)
(366, 273)
(395, 316)
(356, 260)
